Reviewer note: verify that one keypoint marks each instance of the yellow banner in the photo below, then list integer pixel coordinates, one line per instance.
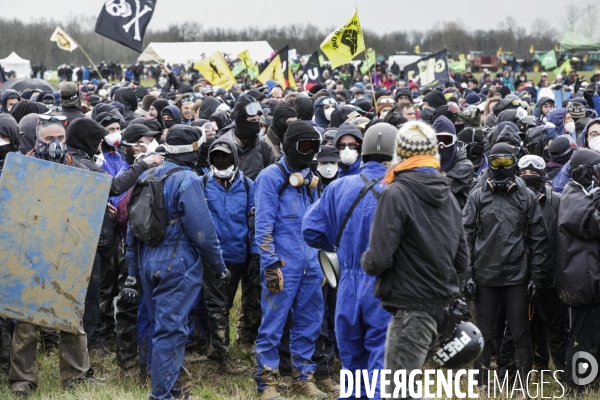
(63, 40)
(274, 72)
(246, 59)
(215, 70)
(345, 43)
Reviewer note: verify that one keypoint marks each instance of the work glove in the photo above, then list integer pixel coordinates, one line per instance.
(224, 278)
(533, 291)
(470, 289)
(274, 277)
(253, 267)
(130, 291)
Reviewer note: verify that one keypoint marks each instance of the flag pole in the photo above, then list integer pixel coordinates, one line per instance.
(370, 81)
(150, 57)
(89, 59)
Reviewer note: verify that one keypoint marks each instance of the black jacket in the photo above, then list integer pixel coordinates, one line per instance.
(72, 114)
(120, 184)
(550, 203)
(577, 248)
(253, 159)
(418, 246)
(507, 236)
(461, 176)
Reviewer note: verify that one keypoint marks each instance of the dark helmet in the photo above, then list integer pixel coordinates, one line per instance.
(462, 348)
(535, 140)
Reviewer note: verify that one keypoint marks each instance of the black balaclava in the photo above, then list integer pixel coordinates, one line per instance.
(208, 107)
(503, 174)
(304, 108)
(443, 124)
(535, 182)
(183, 135)
(475, 145)
(298, 130)
(246, 131)
(282, 113)
(10, 129)
(85, 134)
(27, 128)
(580, 173)
(561, 149)
(158, 106)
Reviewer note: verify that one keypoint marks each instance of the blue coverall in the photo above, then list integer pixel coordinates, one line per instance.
(279, 237)
(171, 275)
(360, 321)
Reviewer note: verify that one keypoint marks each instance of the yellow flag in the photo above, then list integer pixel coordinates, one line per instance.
(499, 50)
(246, 59)
(531, 50)
(345, 43)
(63, 40)
(274, 72)
(291, 80)
(215, 70)
(417, 49)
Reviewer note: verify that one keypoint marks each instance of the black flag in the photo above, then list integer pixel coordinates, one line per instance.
(283, 56)
(313, 72)
(2, 76)
(125, 21)
(428, 71)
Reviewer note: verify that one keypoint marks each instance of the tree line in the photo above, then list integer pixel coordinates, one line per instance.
(31, 39)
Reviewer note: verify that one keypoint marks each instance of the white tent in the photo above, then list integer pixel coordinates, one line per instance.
(192, 51)
(20, 66)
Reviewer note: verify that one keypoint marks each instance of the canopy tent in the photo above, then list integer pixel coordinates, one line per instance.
(20, 66)
(192, 51)
(584, 33)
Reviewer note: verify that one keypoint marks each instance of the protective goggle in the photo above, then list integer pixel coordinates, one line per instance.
(503, 160)
(108, 118)
(386, 101)
(352, 146)
(47, 119)
(55, 109)
(532, 162)
(446, 139)
(305, 146)
(329, 102)
(253, 109)
(186, 99)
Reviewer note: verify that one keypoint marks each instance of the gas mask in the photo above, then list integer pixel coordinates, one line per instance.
(328, 170)
(56, 151)
(225, 174)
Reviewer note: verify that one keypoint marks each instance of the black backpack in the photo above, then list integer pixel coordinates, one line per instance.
(146, 208)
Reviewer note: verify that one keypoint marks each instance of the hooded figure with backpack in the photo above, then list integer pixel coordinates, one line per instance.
(290, 273)
(341, 221)
(230, 198)
(167, 210)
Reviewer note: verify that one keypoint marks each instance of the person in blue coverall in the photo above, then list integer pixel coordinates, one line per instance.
(230, 198)
(360, 321)
(290, 274)
(171, 272)
(348, 141)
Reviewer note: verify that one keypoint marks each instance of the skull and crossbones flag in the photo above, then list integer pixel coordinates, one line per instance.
(125, 21)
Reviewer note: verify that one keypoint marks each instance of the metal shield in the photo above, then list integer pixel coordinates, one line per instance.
(50, 221)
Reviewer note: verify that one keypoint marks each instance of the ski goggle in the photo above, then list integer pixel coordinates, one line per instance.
(187, 99)
(503, 160)
(386, 101)
(352, 146)
(532, 162)
(305, 146)
(47, 119)
(253, 109)
(329, 102)
(446, 139)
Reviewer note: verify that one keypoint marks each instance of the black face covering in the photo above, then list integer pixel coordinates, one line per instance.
(296, 161)
(475, 153)
(168, 124)
(246, 131)
(4, 150)
(534, 182)
(503, 174)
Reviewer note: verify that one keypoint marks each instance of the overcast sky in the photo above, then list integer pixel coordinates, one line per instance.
(379, 15)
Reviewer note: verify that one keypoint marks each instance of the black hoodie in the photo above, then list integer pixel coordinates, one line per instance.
(208, 107)
(128, 98)
(418, 247)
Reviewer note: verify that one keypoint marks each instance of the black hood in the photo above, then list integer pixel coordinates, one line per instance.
(221, 118)
(208, 107)
(27, 128)
(304, 108)
(232, 146)
(430, 188)
(583, 174)
(435, 99)
(127, 97)
(100, 108)
(282, 113)
(23, 108)
(85, 134)
(10, 129)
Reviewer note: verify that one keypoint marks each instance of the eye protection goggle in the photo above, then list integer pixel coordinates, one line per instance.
(305, 146)
(505, 161)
